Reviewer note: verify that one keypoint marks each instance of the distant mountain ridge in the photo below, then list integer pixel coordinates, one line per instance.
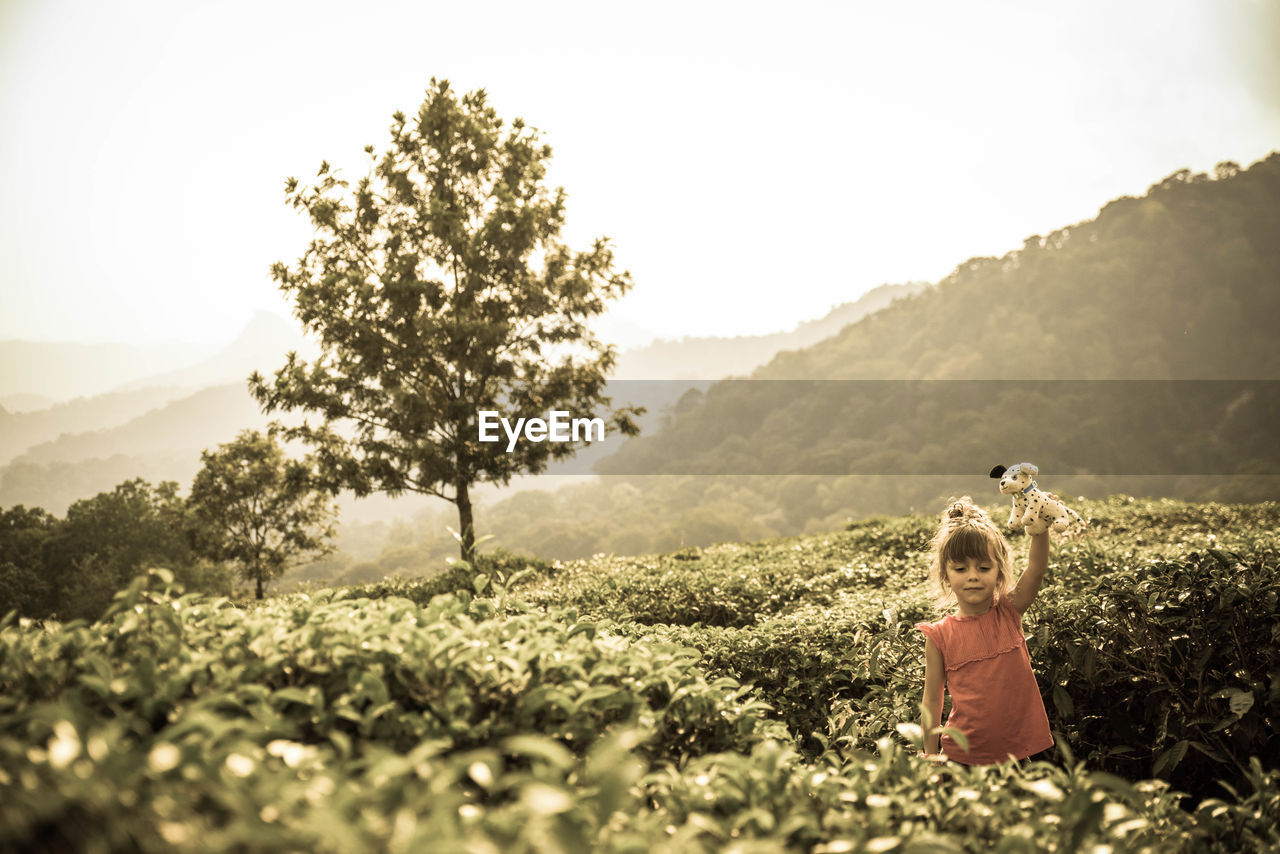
(161, 444)
(57, 372)
(1181, 284)
(24, 402)
(260, 346)
(710, 358)
(156, 425)
(201, 420)
(65, 370)
(22, 430)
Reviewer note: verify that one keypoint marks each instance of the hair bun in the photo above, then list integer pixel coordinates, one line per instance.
(963, 510)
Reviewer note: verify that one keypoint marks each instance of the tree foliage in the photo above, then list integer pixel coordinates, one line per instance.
(253, 506)
(70, 568)
(24, 585)
(107, 539)
(438, 286)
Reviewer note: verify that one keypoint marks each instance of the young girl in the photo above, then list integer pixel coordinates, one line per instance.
(979, 651)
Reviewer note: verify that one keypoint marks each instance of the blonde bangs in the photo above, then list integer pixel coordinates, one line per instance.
(974, 542)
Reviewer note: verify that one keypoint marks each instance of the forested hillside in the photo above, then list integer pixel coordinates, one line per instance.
(717, 357)
(1183, 283)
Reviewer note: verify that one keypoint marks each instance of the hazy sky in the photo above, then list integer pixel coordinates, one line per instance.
(754, 166)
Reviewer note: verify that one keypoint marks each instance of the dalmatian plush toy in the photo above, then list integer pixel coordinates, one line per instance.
(1032, 509)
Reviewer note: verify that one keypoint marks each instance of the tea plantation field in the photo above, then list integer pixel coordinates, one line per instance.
(747, 697)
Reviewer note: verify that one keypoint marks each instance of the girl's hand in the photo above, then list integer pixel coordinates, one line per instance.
(932, 757)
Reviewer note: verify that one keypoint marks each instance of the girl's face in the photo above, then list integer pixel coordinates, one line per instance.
(973, 580)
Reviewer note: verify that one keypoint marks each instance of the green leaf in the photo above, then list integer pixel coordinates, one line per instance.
(928, 843)
(348, 714)
(1240, 701)
(543, 799)
(1062, 702)
(1045, 789)
(294, 694)
(372, 686)
(341, 741)
(956, 735)
(1224, 723)
(549, 750)
(1169, 760)
(98, 686)
(1211, 752)
(375, 712)
(600, 695)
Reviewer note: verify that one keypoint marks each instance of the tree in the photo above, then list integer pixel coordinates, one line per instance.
(24, 582)
(252, 506)
(438, 288)
(106, 540)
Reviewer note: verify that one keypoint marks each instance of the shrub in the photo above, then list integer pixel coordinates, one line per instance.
(1167, 668)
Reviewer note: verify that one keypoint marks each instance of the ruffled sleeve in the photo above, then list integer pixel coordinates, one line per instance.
(934, 632)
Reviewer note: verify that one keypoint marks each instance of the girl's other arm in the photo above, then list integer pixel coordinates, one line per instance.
(934, 668)
(1028, 585)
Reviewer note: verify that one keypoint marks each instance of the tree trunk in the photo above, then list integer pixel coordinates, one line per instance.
(467, 530)
(259, 579)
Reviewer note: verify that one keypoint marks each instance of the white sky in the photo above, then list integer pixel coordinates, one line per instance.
(755, 164)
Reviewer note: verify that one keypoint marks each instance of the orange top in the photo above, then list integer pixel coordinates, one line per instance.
(994, 697)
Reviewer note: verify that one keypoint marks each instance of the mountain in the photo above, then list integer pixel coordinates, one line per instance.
(64, 370)
(162, 444)
(155, 426)
(1081, 332)
(1183, 283)
(1177, 287)
(1134, 352)
(660, 375)
(22, 430)
(718, 357)
(197, 421)
(261, 346)
(17, 403)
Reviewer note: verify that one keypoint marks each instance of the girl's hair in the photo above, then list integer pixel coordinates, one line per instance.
(966, 532)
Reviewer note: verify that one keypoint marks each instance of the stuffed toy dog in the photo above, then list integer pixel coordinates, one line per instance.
(1032, 509)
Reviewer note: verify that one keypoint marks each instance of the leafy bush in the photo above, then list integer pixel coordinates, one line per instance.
(425, 715)
(1168, 668)
(889, 800)
(736, 584)
(853, 654)
(457, 577)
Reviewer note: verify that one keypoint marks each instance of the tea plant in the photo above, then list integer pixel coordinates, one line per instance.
(745, 697)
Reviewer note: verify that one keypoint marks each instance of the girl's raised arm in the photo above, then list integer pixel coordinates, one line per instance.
(1024, 593)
